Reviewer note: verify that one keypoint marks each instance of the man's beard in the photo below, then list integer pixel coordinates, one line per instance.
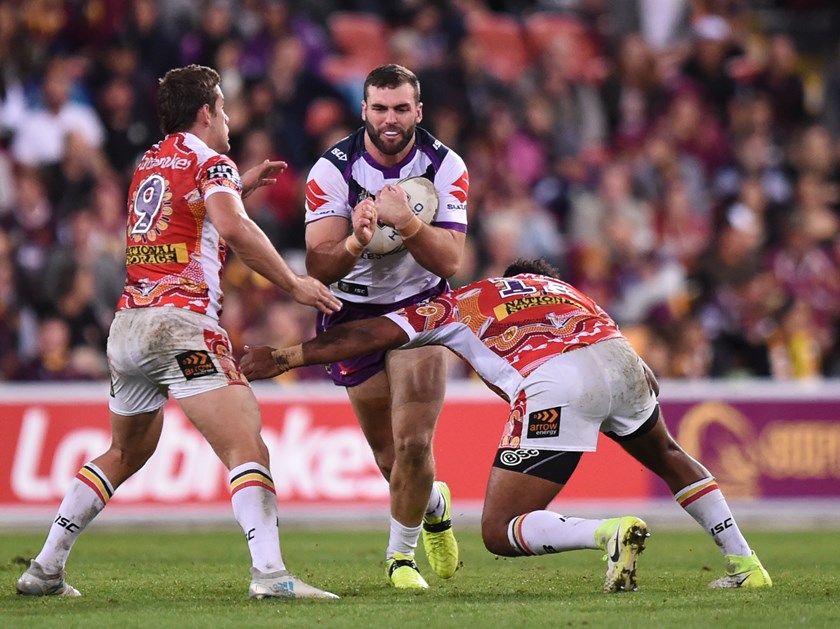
(376, 138)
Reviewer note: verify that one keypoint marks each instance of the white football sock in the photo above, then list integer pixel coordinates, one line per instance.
(89, 492)
(436, 506)
(544, 532)
(403, 539)
(255, 508)
(705, 503)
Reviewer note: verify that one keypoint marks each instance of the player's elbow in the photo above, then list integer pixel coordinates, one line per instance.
(235, 233)
(447, 267)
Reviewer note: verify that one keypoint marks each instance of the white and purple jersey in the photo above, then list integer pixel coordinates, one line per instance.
(346, 174)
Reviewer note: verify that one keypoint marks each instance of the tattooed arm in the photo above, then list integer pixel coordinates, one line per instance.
(338, 343)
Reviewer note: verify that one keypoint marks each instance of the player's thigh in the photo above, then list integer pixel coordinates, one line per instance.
(418, 385)
(229, 419)
(136, 433)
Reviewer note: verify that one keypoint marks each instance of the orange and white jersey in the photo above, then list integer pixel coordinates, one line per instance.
(506, 327)
(174, 254)
(346, 174)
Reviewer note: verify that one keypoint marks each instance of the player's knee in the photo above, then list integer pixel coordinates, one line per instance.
(494, 536)
(413, 449)
(131, 459)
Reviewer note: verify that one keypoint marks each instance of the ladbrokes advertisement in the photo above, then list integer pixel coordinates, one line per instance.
(759, 441)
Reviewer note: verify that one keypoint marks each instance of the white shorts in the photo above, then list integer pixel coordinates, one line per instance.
(152, 351)
(565, 403)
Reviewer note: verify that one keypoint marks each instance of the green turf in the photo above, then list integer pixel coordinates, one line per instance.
(182, 579)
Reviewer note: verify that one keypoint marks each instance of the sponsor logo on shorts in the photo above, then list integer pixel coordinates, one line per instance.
(544, 424)
(512, 458)
(502, 311)
(157, 254)
(196, 364)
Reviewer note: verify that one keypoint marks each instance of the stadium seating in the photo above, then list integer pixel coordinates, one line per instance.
(502, 43)
(361, 43)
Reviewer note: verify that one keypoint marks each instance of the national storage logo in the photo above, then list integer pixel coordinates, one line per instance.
(157, 254)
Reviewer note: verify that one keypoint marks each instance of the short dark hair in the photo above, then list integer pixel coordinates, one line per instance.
(182, 92)
(535, 267)
(392, 76)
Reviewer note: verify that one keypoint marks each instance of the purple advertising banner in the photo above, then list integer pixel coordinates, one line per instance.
(772, 440)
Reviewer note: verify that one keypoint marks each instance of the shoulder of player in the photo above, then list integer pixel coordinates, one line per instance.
(431, 146)
(343, 153)
(198, 150)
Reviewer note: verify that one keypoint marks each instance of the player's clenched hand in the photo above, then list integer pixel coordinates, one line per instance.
(309, 291)
(266, 362)
(261, 175)
(364, 221)
(392, 206)
(258, 363)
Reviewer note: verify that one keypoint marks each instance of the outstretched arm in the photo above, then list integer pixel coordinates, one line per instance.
(343, 341)
(255, 249)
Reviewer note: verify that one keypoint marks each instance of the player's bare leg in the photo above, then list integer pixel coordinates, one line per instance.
(230, 420)
(418, 384)
(371, 402)
(696, 491)
(133, 440)
(515, 521)
(397, 410)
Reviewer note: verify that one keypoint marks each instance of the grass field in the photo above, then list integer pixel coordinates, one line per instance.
(200, 579)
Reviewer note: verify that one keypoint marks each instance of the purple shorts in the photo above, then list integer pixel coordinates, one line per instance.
(354, 371)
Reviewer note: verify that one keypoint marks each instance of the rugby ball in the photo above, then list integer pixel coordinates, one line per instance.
(423, 201)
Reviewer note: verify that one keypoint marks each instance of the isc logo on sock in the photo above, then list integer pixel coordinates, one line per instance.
(720, 527)
(65, 523)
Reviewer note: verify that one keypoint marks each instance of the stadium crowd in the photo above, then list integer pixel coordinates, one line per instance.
(679, 160)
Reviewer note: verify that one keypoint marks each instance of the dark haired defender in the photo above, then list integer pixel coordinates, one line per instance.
(568, 374)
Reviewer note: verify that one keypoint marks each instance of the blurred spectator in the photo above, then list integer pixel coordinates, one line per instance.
(682, 230)
(277, 209)
(579, 132)
(41, 133)
(70, 183)
(460, 94)
(694, 130)
(706, 67)
(613, 202)
(293, 89)
(55, 359)
(127, 130)
(146, 33)
(794, 350)
(31, 228)
(780, 81)
(693, 190)
(806, 271)
(215, 27)
(633, 94)
(755, 157)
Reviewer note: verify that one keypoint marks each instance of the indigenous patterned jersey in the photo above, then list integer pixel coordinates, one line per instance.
(346, 174)
(507, 327)
(174, 255)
